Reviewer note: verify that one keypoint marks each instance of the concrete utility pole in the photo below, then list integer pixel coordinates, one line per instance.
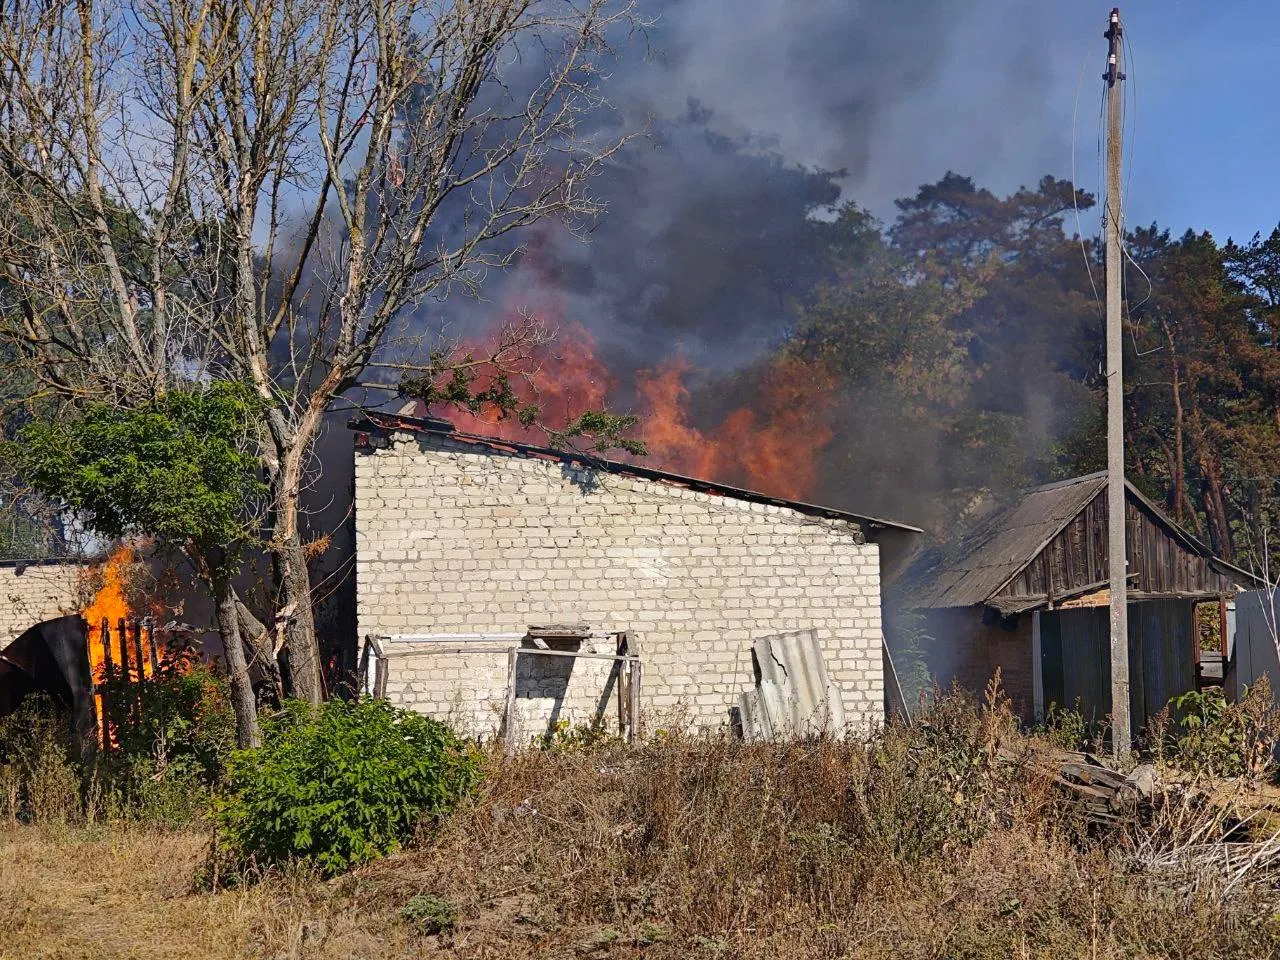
(1116, 552)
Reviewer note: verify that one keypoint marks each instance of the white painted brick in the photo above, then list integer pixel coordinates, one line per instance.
(453, 538)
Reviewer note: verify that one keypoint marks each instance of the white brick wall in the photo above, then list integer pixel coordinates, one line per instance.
(457, 537)
(42, 591)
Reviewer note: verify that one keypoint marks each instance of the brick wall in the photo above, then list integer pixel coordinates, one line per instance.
(456, 537)
(968, 646)
(40, 592)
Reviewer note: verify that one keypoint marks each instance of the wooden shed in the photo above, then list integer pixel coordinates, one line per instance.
(1026, 591)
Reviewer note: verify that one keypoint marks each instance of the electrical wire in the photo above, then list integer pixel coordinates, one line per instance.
(1129, 114)
(1075, 110)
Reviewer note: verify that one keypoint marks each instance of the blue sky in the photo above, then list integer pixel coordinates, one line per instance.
(899, 91)
(1208, 136)
(1203, 104)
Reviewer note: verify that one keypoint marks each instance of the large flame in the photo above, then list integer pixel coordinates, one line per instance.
(563, 377)
(771, 444)
(109, 604)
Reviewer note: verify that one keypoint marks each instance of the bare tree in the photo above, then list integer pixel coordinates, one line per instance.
(265, 190)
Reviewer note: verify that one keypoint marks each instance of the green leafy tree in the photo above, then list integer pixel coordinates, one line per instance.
(310, 174)
(180, 469)
(962, 339)
(1202, 388)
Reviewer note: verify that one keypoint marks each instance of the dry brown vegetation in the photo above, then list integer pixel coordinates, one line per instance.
(946, 840)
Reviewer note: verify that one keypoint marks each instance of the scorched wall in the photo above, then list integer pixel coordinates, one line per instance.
(454, 536)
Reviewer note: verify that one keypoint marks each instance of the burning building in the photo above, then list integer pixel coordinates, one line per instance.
(68, 633)
(463, 541)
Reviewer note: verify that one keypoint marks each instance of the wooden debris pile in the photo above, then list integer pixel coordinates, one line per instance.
(1105, 793)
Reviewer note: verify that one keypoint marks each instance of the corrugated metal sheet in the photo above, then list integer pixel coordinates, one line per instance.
(1254, 649)
(971, 570)
(793, 695)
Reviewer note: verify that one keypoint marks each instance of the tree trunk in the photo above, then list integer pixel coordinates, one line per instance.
(295, 626)
(302, 674)
(258, 639)
(1179, 430)
(1215, 508)
(242, 699)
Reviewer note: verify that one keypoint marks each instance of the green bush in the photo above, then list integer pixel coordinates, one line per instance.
(1227, 739)
(1064, 727)
(939, 782)
(335, 786)
(430, 914)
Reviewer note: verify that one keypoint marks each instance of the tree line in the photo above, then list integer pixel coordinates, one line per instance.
(224, 219)
(968, 339)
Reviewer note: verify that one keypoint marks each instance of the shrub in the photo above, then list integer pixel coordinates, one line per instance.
(1064, 727)
(564, 735)
(430, 914)
(940, 782)
(1227, 739)
(335, 786)
(39, 777)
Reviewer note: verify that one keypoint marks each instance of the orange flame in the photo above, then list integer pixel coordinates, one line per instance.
(110, 609)
(771, 446)
(563, 378)
(111, 605)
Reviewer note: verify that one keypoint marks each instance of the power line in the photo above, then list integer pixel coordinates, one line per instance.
(1075, 110)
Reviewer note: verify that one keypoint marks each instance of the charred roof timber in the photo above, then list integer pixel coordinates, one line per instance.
(383, 424)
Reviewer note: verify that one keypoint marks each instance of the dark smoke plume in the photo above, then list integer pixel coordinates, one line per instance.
(760, 116)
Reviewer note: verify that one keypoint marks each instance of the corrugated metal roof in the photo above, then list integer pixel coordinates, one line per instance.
(793, 695)
(374, 421)
(970, 570)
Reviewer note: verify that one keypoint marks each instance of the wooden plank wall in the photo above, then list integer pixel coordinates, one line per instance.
(1075, 656)
(1077, 558)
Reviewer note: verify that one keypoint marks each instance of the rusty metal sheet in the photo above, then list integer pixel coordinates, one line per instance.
(793, 694)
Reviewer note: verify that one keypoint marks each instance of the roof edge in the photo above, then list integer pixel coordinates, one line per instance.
(1177, 531)
(388, 423)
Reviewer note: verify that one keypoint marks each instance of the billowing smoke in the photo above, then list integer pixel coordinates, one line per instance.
(760, 116)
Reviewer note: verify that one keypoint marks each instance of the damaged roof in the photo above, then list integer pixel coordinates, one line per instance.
(375, 422)
(980, 564)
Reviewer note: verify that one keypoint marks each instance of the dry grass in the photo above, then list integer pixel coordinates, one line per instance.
(117, 892)
(925, 843)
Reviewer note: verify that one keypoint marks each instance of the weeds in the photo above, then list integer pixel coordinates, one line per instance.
(39, 778)
(170, 735)
(430, 914)
(940, 839)
(1064, 727)
(1228, 739)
